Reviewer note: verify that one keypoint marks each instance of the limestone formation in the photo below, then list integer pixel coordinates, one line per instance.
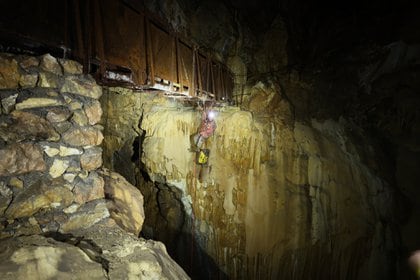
(126, 204)
(83, 136)
(21, 158)
(264, 167)
(78, 86)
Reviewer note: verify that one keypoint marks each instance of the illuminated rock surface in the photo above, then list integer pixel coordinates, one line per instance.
(52, 184)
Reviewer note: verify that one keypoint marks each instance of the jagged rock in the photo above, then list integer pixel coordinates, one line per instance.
(84, 87)
(38, 257)
(58, 167)
(93, 112)
(8, 103)
(48, 80)
(130, 257)
(126, 205)
(68, 151)
(6, 195)
(79, 117)
(36, 102)
(88, 189)
(71, 66)
(27, 126)
(9, 74)
(29, 62)
(85, 216)
(83, 136)
(55, 115)
(41, 194)
(50, 64)
(91, 159)
(28, 80)
(20, 158)
(16, 183)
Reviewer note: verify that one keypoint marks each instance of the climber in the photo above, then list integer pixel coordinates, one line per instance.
(207, 128)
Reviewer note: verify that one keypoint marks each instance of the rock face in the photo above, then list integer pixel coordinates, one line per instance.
(274, 192)
(126, 202)
(36, 257)
(104, 252)
(50, 183)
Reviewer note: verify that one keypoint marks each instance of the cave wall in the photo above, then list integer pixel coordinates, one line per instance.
(275, 193)
(62, 215)
(50, 146)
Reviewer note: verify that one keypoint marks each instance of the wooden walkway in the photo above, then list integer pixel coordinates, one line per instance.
(118, 42)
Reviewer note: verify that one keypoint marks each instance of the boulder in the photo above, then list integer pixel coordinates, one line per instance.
(20, 158)
(50, 64)
(89, 188)
(125, 202)
(84, 87)
(83, 136)
(86, 216)
(37, 257)
(91, 159)
(42, 194)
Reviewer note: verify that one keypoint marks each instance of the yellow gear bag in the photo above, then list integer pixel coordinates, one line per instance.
(203, 156)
